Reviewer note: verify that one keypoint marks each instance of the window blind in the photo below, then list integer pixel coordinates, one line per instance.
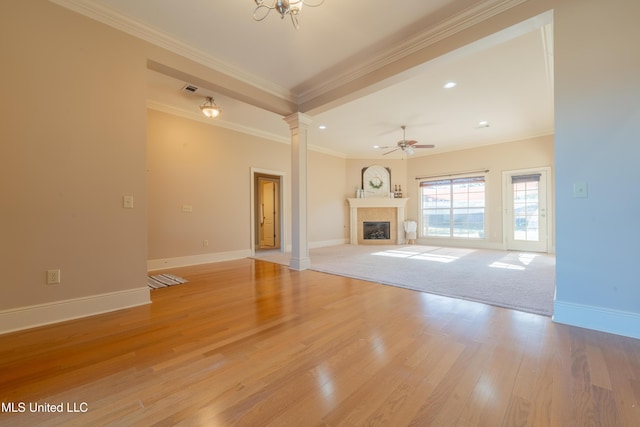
(517, 179)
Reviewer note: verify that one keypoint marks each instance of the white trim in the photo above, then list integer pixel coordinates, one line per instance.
(115, 19)
(59, 311)
(252, 207)
(505, 198)
(453, 25)
(483, 242)
(464, 20)
(598, 318)
(376, 202)
(219, 122)
(185, 261)
(222, 123)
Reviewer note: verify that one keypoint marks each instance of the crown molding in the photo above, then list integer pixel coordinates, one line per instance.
(547, 42)
(220, 122)
(316, 86)
(430, 36)
(116, 20)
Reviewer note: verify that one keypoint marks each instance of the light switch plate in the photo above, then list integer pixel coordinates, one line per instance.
(127, 202)
(580, 190)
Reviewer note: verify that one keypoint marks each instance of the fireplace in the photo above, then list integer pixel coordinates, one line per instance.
(376, 230)
(376, 210)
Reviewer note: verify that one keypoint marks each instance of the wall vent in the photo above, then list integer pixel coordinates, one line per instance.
(190, 88)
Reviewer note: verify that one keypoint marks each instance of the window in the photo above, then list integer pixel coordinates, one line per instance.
(453, 208)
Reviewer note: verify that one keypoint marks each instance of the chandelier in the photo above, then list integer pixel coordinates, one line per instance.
(284, 7)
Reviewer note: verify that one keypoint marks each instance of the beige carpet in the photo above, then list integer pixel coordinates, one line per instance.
(518, 280)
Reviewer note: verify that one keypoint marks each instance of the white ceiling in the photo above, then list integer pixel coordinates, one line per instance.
(505, 79)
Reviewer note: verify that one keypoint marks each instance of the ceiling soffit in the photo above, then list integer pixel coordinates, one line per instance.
(343, 74)
(327, 87)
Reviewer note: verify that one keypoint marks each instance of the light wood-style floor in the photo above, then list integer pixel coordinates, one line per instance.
(253, 343)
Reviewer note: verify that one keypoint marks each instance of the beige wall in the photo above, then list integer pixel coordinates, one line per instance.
(72, 145)
(530, 153)
(328, 220)
(354, 173)
(209, 168)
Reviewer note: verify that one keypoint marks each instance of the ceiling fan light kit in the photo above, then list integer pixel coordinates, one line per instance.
(283, 7)
(407, 147)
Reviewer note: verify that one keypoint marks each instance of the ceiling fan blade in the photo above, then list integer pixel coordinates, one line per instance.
(389, 152)
(424, 146)
(412, 142)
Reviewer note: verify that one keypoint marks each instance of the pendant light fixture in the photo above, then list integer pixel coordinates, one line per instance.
(209, 108)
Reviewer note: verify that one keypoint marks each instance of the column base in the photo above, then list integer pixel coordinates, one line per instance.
(300, 263)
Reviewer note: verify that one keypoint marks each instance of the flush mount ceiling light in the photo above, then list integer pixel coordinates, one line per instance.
(209, 108)
(284, 7)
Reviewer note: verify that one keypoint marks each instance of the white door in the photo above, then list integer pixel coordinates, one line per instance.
(526, 216)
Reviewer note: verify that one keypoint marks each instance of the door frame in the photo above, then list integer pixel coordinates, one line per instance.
(507, 187)
(268, 212)
(281, 204)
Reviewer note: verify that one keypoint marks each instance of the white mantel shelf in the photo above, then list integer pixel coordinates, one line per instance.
(376, 202)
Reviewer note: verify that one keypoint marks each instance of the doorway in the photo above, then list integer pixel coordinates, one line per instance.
(526, 220)
(267, 211)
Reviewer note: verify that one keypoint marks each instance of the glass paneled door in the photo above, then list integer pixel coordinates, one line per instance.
(526, 211)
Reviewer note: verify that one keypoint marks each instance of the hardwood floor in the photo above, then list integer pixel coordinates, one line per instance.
(252, 343)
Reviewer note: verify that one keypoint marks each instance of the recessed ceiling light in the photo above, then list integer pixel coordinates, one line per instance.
(483, 124)
(322, 127)
(449, 85)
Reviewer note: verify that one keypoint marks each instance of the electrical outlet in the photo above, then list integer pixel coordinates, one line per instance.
(53, 277)
(205, 243)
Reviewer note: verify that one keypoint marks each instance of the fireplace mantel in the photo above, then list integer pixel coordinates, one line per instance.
(376, 202)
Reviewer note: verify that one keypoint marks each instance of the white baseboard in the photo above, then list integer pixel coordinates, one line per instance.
(600, 319)
(59, 311)
(185, 261)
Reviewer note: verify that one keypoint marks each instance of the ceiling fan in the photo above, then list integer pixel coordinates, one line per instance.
(406, 146)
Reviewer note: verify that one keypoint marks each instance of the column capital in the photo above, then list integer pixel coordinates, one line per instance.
(298, 120)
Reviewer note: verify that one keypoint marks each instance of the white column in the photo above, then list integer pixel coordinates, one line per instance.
(298, 124)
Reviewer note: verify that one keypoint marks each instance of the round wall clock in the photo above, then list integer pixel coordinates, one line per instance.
(376, 181)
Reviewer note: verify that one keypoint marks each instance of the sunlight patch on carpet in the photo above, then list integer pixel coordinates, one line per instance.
(436, 258)
(506, 266)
